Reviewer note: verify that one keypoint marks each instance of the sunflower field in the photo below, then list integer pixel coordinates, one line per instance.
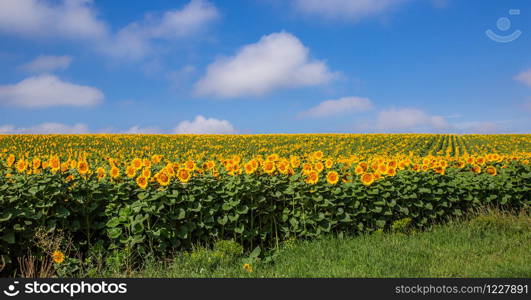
(162, 193)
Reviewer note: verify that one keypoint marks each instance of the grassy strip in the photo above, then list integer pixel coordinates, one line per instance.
(492, 244)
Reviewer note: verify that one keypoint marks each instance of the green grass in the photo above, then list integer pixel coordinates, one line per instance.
(492, 244)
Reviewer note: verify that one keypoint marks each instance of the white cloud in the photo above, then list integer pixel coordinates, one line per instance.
(408, 119)
(201, 125)
(45, 128)
(142, 130)
(78, 20)
(524, 77)
(337, 107)
(73, 19)
(47, 63)
(346, 9)
(278, 60)
(46, 91)
(135, 40)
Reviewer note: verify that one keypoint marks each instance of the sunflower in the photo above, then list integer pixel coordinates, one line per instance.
(189, 165)
(318, 154)
(476, 169)
(273, 157)
(10, 160)
(58, 257)
(329, 163)
(382, 169)
(269, 167)
(137, 163)
(54, 163)
(392, 164)
(248, 268)
(115, 172)
(82, 167)
(294, 161)
(249, 168)
(101, 173)
(367, 179)
(146, 163)
(391, 172)
(64, 167)
(319, 167)
(142, 182)
(255, 163)
(307, 168)
(416, 167)
(36, 163)
(443, 163)
(169, 169)
(184, 175)
(283, 167)
(439, 170)
(491, 170)
(359, 170)
(210, 164)
(130, 172)
(332, 177)
(162, 178)
(146, 172)
(21, 166)
(155, 159)
(312, 177)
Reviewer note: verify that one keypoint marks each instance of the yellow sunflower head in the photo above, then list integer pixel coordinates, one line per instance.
(58, 257)
(332, 177)
(142, 182)
(367, 179)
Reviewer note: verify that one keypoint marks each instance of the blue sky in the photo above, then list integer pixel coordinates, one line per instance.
(265, 66)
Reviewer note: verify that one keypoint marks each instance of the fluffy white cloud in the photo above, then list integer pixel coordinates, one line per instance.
(524, 77)
(78, 20)
(46, 91)
(278, 60)
(142, 130)
(134, 40)
(408, 119)
(75, 19)
(47, 63)
(337, 107)
(45, 128)
(345, 9)
(202, 125)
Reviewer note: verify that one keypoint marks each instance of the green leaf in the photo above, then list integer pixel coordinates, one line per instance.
(113, 222)
(380, 223)
(182, 214)
(9, 237)
(6, 217)
(114, 233)
(255, 253)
